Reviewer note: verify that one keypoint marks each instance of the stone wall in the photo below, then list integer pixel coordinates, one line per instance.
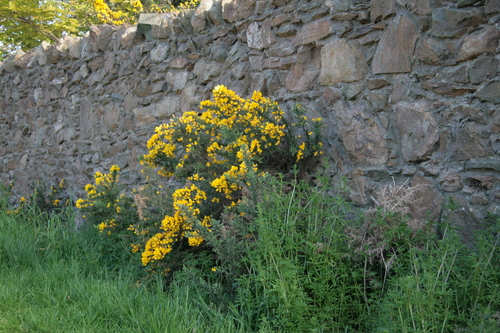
(409, 90)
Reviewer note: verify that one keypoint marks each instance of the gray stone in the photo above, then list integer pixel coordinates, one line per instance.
(453, 23)
(128, 36)
(483, 69)
(260, 37)
(491, 163)
(395, 49)
(287, 30)
(148, 20)
(377, 100)
(40, 54)
(105, 37)
(465, 144)
(490, 93)
(450, 180)
(167, 107)
(459, 75)
(342, 61)
(159, 53)
(177, 79)
(205, 69)
(492, 6)
(484, 41)
(87, 119)
(145, 115)
(417, 130)
(9, 64)
(352, 90)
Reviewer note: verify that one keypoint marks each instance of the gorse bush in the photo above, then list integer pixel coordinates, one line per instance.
(212, 152)
(53, 200)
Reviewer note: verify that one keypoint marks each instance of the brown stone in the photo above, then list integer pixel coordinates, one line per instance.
(395, 49)
(234, 10)
(466, 145)
(417, 130)
(362, 136)
(484, 41)
(198, 20)
(382, 9)
(359, 190)
(313, 31)
(450, 181)
(447, 89)
(431, 51)
(342, 61)
(300, 79)
(376, 84)
(426, 201)
(344, 16)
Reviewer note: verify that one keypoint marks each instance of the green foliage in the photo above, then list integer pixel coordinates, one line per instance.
(109, 216)
(292, 273)
(26, 23)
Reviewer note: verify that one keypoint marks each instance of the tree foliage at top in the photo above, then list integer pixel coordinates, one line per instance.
(26, 23)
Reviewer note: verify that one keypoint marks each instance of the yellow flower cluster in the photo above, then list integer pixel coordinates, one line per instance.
(129, 11)
(186, 207)
(200, 137)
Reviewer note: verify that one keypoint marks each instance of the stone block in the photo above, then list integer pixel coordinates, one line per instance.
(382, 9)
(260, 36)
(159, 53)
(490, 93)
(483, 69)
(342, 61)
(394, 53)
(312, 32)
(483, 41)
(417, 130)
(363, 138)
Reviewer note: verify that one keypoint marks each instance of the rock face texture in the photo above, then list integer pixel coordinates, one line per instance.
(408, 90)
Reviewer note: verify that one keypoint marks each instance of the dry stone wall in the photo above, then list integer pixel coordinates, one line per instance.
(409, 90)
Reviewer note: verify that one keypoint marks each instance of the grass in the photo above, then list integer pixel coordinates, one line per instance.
(298, 260)
(52, 281)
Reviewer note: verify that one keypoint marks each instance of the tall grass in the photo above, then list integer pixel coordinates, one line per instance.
(52, 280)
(297, 260)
